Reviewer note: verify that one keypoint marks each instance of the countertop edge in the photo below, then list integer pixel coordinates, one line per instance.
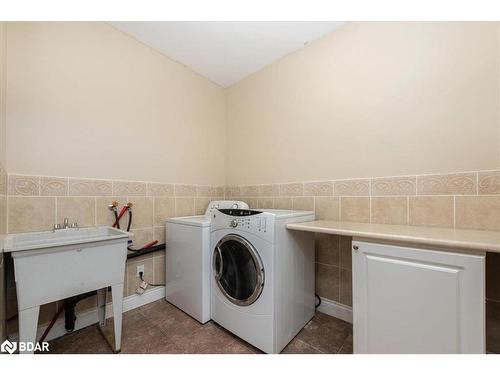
(420, 240)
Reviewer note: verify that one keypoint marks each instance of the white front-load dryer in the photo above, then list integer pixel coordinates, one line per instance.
(187, 261)
(262, 275)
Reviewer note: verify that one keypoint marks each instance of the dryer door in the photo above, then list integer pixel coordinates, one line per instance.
(238, 270)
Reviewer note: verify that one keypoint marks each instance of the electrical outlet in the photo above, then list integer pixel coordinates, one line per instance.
(140, 268)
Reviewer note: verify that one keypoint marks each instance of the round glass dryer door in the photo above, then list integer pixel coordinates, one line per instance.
(238, 270)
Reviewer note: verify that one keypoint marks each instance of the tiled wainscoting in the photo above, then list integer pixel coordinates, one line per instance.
(469, 200)
(463, 200)
(35, 203)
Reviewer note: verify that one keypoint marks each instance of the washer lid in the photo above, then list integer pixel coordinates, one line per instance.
(196, 221)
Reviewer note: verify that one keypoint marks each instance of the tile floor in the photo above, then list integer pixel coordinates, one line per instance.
(159, 327)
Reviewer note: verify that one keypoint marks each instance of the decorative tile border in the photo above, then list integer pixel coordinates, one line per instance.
(459, 183)
(36, 203)
(394, 186)
(489, 182)
(33, 185)
(430, 200)
(85, 186)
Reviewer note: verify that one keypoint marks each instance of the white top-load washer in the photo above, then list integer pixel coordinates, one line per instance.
(188, 260)
(262, 275)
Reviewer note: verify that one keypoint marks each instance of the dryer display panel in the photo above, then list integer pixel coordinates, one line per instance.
(238, 212)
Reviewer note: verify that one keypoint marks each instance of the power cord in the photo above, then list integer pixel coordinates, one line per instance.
(319, 300)
(141, 275)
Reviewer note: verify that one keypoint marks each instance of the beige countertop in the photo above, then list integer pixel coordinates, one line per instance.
(459, 239)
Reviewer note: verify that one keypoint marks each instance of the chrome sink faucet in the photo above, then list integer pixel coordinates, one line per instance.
(65, 225)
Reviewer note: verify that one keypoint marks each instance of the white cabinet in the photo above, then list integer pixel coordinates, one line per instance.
(408, 300)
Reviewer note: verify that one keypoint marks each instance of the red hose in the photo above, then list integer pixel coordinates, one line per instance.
(52, 322)
(151, 244)
(122, 212)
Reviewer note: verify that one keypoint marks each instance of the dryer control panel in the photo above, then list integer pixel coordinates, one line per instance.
(252, 221)
(238, 212)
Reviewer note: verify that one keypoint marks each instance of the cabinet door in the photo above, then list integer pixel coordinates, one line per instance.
(409, 300)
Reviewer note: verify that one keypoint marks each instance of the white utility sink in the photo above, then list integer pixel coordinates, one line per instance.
(54, 265)
(61, 237)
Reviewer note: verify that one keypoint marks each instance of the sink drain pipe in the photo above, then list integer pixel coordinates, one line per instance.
(69, 309)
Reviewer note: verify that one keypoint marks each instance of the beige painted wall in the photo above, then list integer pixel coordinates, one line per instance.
(86, 100)
(372, 99)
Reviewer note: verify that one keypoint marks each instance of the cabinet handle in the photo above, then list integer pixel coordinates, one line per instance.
(355, 247)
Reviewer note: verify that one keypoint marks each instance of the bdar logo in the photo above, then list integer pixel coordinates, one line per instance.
(8, 347)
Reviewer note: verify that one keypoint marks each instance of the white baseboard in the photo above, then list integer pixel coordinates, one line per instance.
(89, 317)
(335, 309)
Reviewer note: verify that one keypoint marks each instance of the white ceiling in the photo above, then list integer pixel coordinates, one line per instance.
(226, 52)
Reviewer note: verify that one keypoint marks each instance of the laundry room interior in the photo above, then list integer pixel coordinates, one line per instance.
(250, 187)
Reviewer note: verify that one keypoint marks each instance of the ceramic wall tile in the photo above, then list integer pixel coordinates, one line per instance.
(142, 212)
(159, 270)
(357, 187)
(405, 185)
(291, 190)
(184, 206)
(489, 182)
(201, 204)
(53, 186)
(272, 190)
(346, 252)
(328, 281)
(90, 187)
(265, 203)
(478, 212)
(30, 214)
(431, 211)
(133, 281)
(281, 203)
(164, 208)
(249, 191)
(232, 191)
(157, 189)
(327, 208)
(23, 185)
(389, 210)
(345, 287)
(327, 249)
(185, 190)
(303, 203)
(80, 210)
(320, 188)
(207, 191)
(129, 188)
(159, 234)
(355, 209)
(142, 237)
(447, 184)
(104, 216)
